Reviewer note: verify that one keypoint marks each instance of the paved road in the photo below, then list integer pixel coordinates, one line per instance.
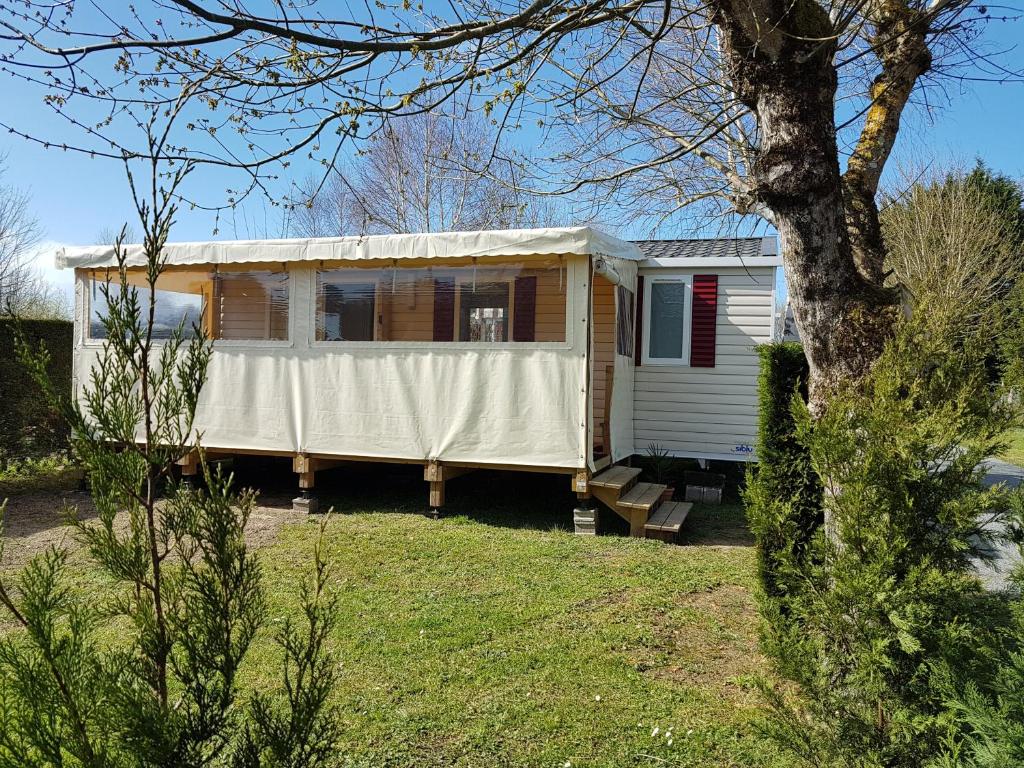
(1006, 555)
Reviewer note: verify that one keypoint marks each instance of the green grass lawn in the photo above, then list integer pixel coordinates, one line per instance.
(1015, 453)
(495, 637)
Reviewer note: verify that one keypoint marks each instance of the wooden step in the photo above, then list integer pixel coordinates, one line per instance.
(642, 496)
(615, 478)
(667, 519)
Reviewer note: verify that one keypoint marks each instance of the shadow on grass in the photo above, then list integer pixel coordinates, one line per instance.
(526, 500)
(523, 500)
(717, 525)
(507, 499)
(48, 480)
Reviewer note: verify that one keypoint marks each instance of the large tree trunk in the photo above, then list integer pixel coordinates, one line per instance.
(903, 52)
(781, 59)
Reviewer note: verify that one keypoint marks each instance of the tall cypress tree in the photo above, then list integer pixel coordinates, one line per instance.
(188, 595)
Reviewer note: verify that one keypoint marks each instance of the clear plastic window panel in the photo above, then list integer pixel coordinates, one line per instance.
(234, 304)
(625, 308)
(488, 303)
(250, 305)
(484, 311)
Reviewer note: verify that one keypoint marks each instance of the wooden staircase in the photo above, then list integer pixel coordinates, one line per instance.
(639, 503)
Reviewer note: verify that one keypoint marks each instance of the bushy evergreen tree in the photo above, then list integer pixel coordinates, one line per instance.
(886, 596)
(188, 597)
(1001, 194)
(988, 706)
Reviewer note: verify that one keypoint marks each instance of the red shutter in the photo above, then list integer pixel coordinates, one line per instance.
(703, 321)
(444, 309)
(524, 318)
(638, 326)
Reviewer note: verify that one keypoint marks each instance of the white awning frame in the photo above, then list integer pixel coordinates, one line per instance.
(582, 241)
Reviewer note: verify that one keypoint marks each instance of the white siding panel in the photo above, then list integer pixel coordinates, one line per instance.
(751, 300)
(675, 372)
(669, 420)
(662, 401)
(711, 411)
(673, 390)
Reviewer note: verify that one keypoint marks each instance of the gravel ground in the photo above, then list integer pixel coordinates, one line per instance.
(1005, 555)
(36, 520)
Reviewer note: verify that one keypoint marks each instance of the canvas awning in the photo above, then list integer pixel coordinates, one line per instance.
(582, 241)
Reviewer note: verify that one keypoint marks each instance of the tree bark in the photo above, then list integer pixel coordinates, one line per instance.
(903, 52)
(781, 58)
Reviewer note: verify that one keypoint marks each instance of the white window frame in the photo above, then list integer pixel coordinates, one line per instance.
(650, 280)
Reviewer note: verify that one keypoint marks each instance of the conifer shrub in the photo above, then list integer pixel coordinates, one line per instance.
(783, 492)
(187, 596)
(784, 505)
(987, 703)
(876, 600)
(29, 426)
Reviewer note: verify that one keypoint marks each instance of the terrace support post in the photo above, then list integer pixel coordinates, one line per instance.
(437, 474)
(433, 473)
(189, 464)
(584, 516)
(304, 467)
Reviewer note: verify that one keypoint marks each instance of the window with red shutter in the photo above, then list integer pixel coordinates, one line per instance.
(679, 320)
(703, 321)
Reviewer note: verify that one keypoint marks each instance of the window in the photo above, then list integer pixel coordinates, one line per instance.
(665, 338)
(493, 302)
(173, 307)
(346, 306)
(250, 305)
(229, 303)
(483, 312)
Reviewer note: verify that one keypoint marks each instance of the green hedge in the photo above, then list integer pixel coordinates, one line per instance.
(784, 496)
(28, 426)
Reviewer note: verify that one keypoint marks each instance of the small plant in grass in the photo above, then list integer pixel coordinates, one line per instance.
(187, 599)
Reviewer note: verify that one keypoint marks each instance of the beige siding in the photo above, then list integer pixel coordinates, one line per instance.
(550, 323)
(710, 411)
(604, 350)
(410, 311)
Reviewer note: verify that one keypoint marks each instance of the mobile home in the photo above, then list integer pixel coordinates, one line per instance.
(553, 350)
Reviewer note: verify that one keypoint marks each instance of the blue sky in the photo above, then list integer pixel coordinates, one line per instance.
(75, 197)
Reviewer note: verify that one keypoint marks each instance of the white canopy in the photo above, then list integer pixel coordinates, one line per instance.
(582, 241)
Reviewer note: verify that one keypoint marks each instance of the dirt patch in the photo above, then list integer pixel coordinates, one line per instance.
(36, 521)
(605, 600)
(709, 640)
(267, 518)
